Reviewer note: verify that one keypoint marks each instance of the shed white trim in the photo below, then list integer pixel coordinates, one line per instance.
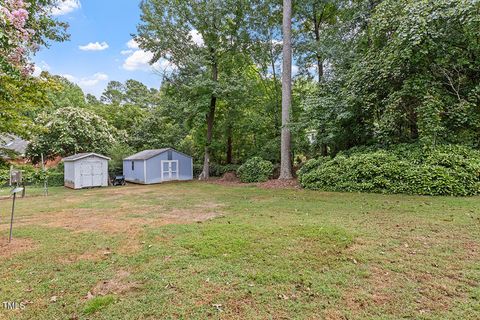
(145, 171)
(79, 156)
(170, 170)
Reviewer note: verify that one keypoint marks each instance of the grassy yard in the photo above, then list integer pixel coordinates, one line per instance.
(197, 250)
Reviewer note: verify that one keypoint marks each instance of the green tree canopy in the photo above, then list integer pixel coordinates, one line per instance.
(71, 130)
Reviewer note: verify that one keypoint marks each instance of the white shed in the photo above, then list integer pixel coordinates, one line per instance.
(86, 170)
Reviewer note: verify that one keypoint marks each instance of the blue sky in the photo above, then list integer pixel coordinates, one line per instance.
(100, 48)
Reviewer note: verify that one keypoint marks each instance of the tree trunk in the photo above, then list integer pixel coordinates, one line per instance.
(275, 87)
(229, 145)
(324, 150)
(316, 31)
(205, 175)
(286, 157)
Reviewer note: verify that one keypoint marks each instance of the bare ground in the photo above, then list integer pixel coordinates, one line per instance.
(17, 246)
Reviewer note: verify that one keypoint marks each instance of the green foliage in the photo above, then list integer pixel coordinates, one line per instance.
(216, 170)
(98, 303)
(157, 131)
(122, 117)
(403, 71)
(35, 176)
(132, 92)
(19, 100)
(412, 169)
(255, 170)
(26, 26)
(69, 131)
(117, 152)
(64, 93)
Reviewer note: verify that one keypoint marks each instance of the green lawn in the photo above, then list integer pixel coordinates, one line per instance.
(197, 250)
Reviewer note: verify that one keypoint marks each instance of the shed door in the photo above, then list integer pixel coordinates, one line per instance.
(169, 170)
(91, 173)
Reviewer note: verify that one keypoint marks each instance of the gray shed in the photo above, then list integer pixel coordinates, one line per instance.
(86, 170)
(159, 165)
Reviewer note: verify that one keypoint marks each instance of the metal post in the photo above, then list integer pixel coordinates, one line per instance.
(45, 184)
(14, 193)
(11, 219)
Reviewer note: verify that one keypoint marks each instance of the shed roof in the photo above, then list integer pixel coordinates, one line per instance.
(147, 154)
(79, 156)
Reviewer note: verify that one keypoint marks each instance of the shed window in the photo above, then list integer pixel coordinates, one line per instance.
(133, 165)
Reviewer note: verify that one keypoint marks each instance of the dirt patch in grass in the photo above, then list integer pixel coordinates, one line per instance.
(417, 260)
(229, 177)
(334, 314)
(279, 184)
(17, 246)
(86, 256)
(122, 219)
(270, 184)
(198, 213)
(90, 220)
(119, 284)
(379, 290)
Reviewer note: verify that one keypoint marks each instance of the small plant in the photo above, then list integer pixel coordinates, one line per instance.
(255, 170)
(98, 303)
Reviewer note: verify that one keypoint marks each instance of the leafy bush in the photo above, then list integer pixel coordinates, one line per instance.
(255, 170)
(71, 130)
(412, 169)
(35, 176)
(216, 170)
(55, 178)
(117, 152)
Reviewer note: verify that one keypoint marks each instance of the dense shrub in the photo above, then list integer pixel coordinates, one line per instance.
(117, 152)
(35, 176)
(255, 170)
(444, 170)
(216, 170)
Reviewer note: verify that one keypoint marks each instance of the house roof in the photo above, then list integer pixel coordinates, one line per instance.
(148, 154)
(79, 156)
(13, 143)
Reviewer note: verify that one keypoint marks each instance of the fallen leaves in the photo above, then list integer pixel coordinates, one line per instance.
(218, 307)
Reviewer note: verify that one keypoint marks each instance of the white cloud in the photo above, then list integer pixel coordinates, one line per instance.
(138, 60)
(87, 82)
(94, 46)
(69, 77)
(65, 6)
(295, 70)
(39, 67)
(277, 43)
(196, 37)
(93, 80)
(132, 44)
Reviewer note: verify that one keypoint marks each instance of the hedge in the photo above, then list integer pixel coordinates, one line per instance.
(255, 170)
(407, 168)
(34, 176)
(216, 170)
